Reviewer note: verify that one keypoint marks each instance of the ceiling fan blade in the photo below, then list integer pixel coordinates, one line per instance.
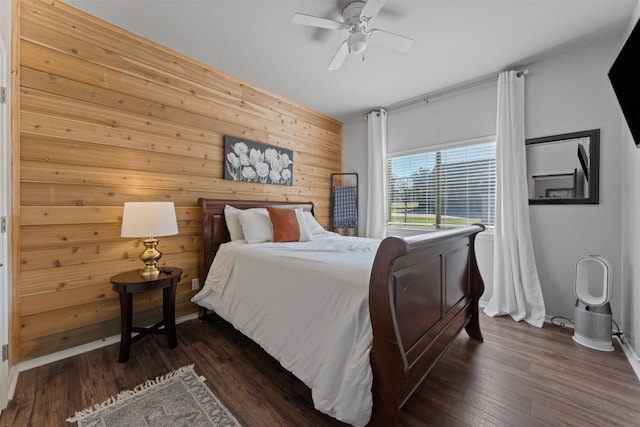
(371, 8)
(391, 40)
(315, 21)
(341, 54)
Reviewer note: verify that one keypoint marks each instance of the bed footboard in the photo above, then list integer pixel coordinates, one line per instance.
(423, 291)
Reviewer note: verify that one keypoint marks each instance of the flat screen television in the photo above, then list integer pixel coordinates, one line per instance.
(624, 76)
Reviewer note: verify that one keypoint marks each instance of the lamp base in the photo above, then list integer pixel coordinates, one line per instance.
(150, 273)
(150, 257)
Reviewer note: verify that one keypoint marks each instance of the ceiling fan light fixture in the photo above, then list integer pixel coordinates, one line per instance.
(358, 42)
(356, 17)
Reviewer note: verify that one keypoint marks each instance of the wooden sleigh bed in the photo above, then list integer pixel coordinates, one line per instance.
(423, 291)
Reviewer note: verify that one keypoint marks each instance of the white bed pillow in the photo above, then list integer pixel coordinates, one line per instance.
(256, 225)
(305, 231)
(232, 218)
(313, 225)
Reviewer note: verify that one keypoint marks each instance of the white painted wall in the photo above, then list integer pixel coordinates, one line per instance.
(567, 93)
(354, 154)
(630, 274)
(564, 94)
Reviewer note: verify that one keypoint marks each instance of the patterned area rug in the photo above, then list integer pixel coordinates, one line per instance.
(178, 398)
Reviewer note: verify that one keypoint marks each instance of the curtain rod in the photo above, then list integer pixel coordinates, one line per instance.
(425, 98)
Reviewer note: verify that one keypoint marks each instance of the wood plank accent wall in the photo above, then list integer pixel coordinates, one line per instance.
(107, 117)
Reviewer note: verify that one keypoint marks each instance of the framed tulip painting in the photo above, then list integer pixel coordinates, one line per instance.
(250, 161)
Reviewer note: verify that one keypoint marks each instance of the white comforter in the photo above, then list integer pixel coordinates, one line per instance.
(309, 308)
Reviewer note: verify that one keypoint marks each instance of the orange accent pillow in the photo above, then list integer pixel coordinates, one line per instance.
(285, 225)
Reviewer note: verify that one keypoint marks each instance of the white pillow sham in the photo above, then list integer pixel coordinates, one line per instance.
(312, 224)
(256, 225)
(305, 231)
(232, 218)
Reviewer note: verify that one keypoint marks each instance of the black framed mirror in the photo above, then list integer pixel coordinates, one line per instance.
(564, 169)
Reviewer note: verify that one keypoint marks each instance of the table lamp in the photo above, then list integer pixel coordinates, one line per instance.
(149, 220)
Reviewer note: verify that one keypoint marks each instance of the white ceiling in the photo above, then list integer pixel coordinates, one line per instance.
(455, 41)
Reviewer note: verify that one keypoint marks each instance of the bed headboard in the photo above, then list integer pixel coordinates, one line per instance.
(214, 227)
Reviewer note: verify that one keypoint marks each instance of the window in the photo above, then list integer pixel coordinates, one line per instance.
(442, 188)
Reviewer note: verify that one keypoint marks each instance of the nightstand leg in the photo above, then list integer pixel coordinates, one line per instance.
(126, 309)
(169, 313)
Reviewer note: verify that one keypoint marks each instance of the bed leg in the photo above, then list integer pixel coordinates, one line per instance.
(477, 289)
(473, 325)
(384, 417)
(202, 313)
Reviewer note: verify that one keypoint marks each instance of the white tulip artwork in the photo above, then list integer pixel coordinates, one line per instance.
(250, 161)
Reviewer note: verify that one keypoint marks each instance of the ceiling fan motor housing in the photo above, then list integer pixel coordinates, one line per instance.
(352, 15)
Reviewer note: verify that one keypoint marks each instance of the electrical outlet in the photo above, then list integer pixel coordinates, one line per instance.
(195, 284)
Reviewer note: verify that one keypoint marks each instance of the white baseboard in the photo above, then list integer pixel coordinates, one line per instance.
(13, 380)
(74, 351)
(631, 356)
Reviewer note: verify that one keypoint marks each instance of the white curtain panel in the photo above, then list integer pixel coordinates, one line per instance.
(516, 286)
(375, 226)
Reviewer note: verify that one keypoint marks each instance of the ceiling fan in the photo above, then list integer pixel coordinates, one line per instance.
(356, 17)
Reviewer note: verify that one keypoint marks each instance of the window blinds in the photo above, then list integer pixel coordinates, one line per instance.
(442, 188)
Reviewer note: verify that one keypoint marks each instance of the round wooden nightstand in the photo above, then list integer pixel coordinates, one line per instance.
(130, 282)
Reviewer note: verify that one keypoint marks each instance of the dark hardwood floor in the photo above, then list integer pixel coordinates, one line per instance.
(519, 376)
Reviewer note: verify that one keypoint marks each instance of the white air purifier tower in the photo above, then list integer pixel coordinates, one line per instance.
(593, 311)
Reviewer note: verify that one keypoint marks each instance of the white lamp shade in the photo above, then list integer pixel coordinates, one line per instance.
(149, 219)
